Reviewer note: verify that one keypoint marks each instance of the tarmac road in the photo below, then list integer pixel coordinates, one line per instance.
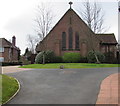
(55, 86)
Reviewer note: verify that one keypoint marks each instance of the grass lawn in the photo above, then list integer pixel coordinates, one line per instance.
(8, 87)
(69, 65)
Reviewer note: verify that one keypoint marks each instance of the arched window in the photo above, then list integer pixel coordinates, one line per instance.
(77, 41)
(70, 32)
(63, 41)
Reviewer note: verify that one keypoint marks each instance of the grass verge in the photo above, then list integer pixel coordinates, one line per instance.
(8, 88)
(69, 65)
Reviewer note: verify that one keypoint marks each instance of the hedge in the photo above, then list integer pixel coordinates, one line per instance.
(71, 57)
(10, 63)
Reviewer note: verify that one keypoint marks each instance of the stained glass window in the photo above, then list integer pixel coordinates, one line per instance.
(76, 40)
(63, 41)
(70, 38)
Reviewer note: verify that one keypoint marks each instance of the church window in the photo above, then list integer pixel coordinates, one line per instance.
(63, 41)
(76, 41)
(70, 38)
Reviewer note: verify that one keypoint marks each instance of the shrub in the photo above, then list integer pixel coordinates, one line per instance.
(10, 63)
(39, 58)
(24, 60)
(49, 57)
(71, 57)
(91, 56)
(58, 59)
(109, 57)
(83, 59)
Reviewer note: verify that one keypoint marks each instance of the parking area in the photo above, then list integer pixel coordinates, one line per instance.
(55, 86)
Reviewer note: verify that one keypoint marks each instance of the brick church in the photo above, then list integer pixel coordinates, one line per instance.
(71, 34)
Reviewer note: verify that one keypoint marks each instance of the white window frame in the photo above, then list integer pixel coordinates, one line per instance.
(1, 49)
(1, 59)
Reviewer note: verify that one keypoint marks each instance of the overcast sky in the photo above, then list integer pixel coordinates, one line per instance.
(17, 17)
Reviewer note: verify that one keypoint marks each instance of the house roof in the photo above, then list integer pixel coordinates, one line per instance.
(5, 43)
(107, 38)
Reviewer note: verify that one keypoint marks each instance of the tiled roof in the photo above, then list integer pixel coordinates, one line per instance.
(7, 44)
(107, 38)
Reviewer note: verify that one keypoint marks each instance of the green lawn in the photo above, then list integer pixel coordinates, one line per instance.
(7, 88)
(68, 65)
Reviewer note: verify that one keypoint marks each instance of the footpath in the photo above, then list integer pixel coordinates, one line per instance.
(12, 69)
(109, 92)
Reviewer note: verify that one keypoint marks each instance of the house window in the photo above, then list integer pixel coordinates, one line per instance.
(76, 41)
(1, 59)
(1, 49)
(70, 32)
(63, 41)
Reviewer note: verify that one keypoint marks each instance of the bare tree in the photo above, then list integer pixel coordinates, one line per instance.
(93, 15)
(32, 41)
(44, 23)
(43, 20)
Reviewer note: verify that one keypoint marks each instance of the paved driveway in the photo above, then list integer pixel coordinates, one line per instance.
(11, 69)
(55, 86)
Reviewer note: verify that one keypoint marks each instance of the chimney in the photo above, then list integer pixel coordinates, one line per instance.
(13, 40)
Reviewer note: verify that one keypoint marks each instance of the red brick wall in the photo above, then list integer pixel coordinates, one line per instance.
(13, 56)
(6, 55)
(53, 40)
(108, 48)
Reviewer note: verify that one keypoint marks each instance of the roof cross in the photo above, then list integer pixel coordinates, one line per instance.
(70, 4)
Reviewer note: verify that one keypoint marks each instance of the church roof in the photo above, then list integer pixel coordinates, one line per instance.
(107, 38)
(104, 38)
(69, 10)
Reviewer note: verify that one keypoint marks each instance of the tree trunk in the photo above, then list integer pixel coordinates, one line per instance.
(44, 57)
(97, 60)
